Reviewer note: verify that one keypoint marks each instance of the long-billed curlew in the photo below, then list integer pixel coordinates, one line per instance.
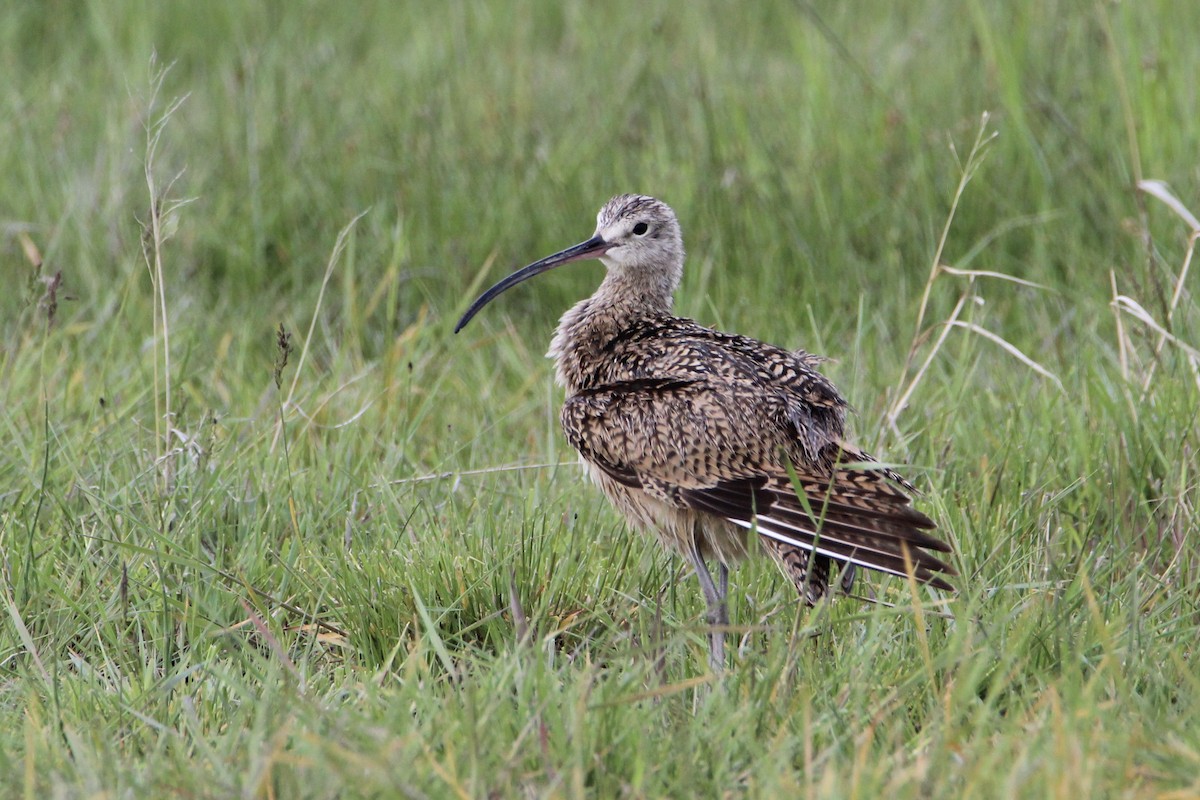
(701, 436)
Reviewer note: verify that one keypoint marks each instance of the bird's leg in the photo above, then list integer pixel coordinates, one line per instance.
(718, 616)
(722, 604)
(723, 573)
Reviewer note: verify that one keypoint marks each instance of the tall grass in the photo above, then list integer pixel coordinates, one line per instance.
(375, 571)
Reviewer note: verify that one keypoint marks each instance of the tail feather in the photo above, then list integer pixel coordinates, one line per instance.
(853, 518)
(827, 545)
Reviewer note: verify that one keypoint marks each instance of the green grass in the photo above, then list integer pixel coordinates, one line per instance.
(361, 580)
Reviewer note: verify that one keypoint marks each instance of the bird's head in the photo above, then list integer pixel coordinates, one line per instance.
(637, 239)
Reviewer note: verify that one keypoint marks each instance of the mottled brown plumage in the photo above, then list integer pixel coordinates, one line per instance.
(703, 437)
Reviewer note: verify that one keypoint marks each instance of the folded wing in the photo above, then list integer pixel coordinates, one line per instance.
(733, 450)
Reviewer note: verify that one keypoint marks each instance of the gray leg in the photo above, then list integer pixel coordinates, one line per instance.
(718, 615)
(723, 605)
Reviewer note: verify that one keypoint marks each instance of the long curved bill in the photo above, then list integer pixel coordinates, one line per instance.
(592, 248)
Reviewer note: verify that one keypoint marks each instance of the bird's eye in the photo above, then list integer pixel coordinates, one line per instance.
(640, 229)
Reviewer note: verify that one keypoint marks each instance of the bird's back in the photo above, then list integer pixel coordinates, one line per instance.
(776, 390)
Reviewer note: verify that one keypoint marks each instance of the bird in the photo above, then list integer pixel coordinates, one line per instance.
(719, 444)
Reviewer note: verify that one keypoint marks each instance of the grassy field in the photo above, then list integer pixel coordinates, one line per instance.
(375, 571)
